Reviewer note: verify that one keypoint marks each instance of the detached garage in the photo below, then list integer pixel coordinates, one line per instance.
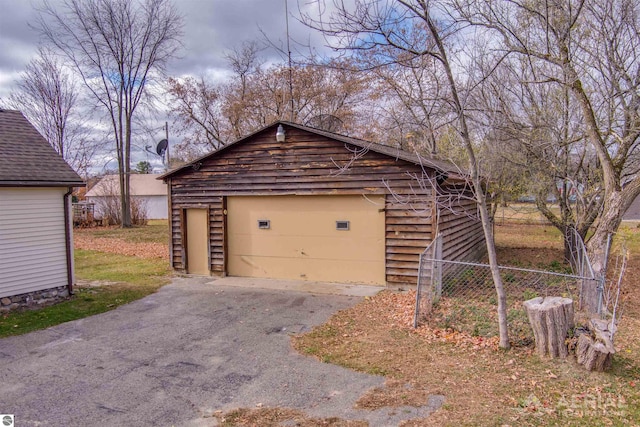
(313, 205)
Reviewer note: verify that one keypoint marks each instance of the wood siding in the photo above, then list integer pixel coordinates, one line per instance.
(461, 229)
(33, 254)
(307, 164)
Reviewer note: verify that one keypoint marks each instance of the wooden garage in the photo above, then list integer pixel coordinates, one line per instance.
(316, 206)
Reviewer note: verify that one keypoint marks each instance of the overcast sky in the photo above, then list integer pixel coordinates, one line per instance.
(211, 28)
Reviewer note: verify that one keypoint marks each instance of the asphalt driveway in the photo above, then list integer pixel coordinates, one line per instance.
(175, 357)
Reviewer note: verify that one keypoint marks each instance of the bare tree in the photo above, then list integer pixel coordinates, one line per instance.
(394, 31)
(592, 47)
(213, 114)
(196, 107)
(117, 47)
(49, 98)
(536, 126)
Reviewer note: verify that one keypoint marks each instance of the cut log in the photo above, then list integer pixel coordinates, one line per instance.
(595, 350)
(550, 318)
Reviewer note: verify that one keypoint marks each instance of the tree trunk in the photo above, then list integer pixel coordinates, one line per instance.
(598, 249)
(477, 183)
(595, 350)
(126, 206)
(494, 267)
(550, 318)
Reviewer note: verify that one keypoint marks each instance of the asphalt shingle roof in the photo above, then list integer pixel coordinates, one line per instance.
(27, 159)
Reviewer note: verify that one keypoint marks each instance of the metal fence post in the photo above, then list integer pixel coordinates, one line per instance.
(418, 293)
(437, 272)
(600, 290)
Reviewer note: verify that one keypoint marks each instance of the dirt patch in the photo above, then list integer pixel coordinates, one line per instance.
(540, 258)
(85, 239)
(394, 394)
(267, 417)
(80, 283)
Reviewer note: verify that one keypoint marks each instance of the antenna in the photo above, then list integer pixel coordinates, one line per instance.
(286, 12)
(162, 148)
(327, 122)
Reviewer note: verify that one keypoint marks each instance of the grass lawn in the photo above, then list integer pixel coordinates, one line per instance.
(129, 278)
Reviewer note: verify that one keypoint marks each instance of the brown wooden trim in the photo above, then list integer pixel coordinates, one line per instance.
(209, 241)
(183, 232)
(225, 238)
(170, 219)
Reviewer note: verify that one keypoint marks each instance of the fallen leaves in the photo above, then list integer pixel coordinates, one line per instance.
(84, 239)
(399, 309)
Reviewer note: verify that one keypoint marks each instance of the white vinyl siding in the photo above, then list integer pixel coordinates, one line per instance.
(32, 240)
(156, 207)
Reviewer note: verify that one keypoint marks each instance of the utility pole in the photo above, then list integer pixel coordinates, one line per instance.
(286, 11)
(166, 135)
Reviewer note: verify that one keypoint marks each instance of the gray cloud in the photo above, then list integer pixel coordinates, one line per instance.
(212, 27)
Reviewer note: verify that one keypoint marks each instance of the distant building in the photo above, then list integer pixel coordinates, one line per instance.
(149, 192)
(36, 240)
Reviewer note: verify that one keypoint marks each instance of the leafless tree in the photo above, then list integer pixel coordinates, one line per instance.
(591, 47)
(48, 96)
(213, 114)
(536, 126)
(404, 29)
(117, 47)
(196, 107)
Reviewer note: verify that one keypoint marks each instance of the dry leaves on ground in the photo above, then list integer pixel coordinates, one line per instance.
(400, 308)
(87, 241)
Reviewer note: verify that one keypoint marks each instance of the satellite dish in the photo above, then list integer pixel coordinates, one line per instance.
(161, 148)
(327, 122)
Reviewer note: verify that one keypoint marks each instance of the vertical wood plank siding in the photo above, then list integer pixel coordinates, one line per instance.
(307, 164)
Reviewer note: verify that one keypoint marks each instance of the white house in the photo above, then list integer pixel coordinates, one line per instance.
(36, 243)
(149, 192)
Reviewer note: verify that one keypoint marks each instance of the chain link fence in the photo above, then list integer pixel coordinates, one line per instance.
(462, 296)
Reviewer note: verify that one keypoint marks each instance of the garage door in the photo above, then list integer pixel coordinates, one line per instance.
(320, 238)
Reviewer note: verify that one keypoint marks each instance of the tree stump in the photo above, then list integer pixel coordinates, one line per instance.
(550, 318)
(595, 350)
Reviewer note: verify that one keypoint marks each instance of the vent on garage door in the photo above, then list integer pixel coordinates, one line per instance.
(342, 225)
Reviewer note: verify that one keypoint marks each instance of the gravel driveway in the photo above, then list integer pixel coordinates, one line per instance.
(175, 357)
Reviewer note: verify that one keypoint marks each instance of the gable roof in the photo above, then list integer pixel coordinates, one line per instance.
(394, 152)
(139, 185)
(27, 159)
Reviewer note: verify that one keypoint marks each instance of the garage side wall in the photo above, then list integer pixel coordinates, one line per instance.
(307, 164)
(461, 230)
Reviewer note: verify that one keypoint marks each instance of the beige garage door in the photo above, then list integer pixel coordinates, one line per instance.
(321, 238)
